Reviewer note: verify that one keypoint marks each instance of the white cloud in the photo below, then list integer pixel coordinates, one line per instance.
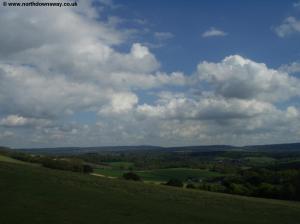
(213, 108)
(19, 121)
(238, 77)
(63, 29)
(120, 103)
(73, 66)
(214, 32)
(70, 66)
(288, 27)
(13, 120)
(291, 68)
(139, 51)
(148, 81)
(24, 91)
(239, 107)
(225, 124)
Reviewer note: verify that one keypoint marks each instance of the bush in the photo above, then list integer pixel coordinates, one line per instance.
(87, 168)
(131, 176)
(175, 183)
(238, 189)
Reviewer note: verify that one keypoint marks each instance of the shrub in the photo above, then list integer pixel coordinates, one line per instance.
(131, 176)
(87, 168)
(175, 183)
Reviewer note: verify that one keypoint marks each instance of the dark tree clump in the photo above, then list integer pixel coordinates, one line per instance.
(131, 176)
(175, 183)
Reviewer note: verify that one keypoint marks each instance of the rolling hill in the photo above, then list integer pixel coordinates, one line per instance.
(39, 195)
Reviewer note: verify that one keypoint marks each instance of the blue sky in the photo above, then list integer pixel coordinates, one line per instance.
(150, 72)
(249, 24)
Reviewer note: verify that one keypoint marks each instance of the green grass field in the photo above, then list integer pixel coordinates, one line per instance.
(39, 195)
(109, 172)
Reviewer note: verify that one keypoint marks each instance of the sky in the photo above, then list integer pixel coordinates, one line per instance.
(137, 72)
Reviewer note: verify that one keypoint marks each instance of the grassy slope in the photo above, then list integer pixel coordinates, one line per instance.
(39, 195)
(11, 160)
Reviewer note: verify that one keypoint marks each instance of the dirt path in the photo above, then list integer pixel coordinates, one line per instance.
(100, 175)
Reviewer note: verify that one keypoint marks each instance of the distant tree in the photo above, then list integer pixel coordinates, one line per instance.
(175, 183)
(267, 190)
(131, 176)
(238, 189)
(70, 164)
(87, 168)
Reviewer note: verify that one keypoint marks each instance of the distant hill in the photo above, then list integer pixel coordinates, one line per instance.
(3, 148)
(80, 150)
(202, 148)
(289, 147)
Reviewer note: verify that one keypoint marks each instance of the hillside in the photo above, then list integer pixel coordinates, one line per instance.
(39, 195)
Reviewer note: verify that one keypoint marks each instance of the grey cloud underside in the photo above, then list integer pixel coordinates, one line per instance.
(56, 64)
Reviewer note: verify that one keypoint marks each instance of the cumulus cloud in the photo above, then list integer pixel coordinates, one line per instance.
(238, 77)
(260, 126)
(57, 65)
(24, 91)
(120, 103)
(214, 32)
(62, 28)
(239, 106)
(288, 27)
(291, 68)
(19, 121)
(13, 120)
(71, 65)
(213, 108)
